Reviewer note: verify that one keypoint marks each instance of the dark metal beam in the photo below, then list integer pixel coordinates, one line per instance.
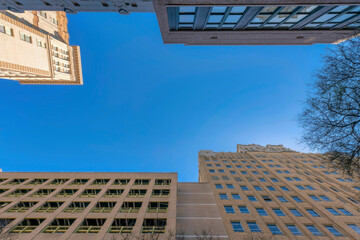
(226, 14)
(249, 14)
(173, 16)
(321, 11)
(297, 10)
(201, 16)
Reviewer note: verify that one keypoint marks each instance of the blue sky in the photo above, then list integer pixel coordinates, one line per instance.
(146, 106)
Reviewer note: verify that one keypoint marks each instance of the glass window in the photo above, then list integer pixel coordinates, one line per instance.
(262, 180)
(244, 188)
(297, 199)
(341, 180)
(229, 209)
(237, 227)
(355, 228)
(218, 186)
(284, 188)
(333, 211)
(313, 230)
(288, 178)
(315, 198)
(333, 230)
(325, 198)
(267, 198)
(228, 166)
(258, 188)
(232, 172)
(252, 198)
(211, 170)
(345, 212)
(294, 230)
(274, 229)
(243, 172)
(312, 213)
(297, 179)
(255, 172)
(221, 170)
(266, 173)
(238, 166)
(274, 180)
(262, 212)
(223, 196)
(309, 187)
(278, 212)
(253, 227)
(286, 171)
(235, 196)
(282, 199)
(296, 213)
(300, 187)
(230, 186)
(243, 209)
(271, 188)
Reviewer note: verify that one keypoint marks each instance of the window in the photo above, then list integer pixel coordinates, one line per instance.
(300, 187)
(232, 172)
(42, 192)
(59, 225)
(315, 198)
(284, 188)
(345, 212)
(124, 226)
(333, 211)
(130, 207)
(22, 207)
(355, 228)
(217, 165)
(238, 179)
(266, 198)
(238, 166)
(229, 209)
(288, 178)
(76, 207)
(142, 182)
(262, 180)
(230, 186)
(296, 212)
(209, 165)
(223, 196)
(313, 230)
(235, 196)
(274, 229)
(244, 188)
(6, 30)
(252, 198)
(126, 181)
(159, 192)
(258, 188)
(243, 172)
(255, 172)
(325, 198)
(90, 225)
(286, 171)
(37, 181)
(27, 225)
(274, 180)
(237, 227)
(25, 37)
(312, 213)
(225, 177)
(357, 188)
(243, 209)
(211, 170)
(49, 207)
(278, 212)
(271, 188)
(278, 171)
(266, 173)
(158, 207)
(282, 199)
(228, 166)
(110, 193)
(333, 230)
(309, 187)
(341, 180)
(103, 207)
(297, 199)
(262, 212)
(253, 227)
(294, 230)
(221, 171)
(218, 186)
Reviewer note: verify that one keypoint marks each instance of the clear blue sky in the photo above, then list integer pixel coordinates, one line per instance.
(146, 106)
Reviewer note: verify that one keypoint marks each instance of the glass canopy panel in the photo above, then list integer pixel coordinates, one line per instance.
(270, 17)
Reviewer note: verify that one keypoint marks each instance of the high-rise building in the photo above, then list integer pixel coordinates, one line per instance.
(278, 193)
(257, 192)
(227, 22)
(34, 49)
